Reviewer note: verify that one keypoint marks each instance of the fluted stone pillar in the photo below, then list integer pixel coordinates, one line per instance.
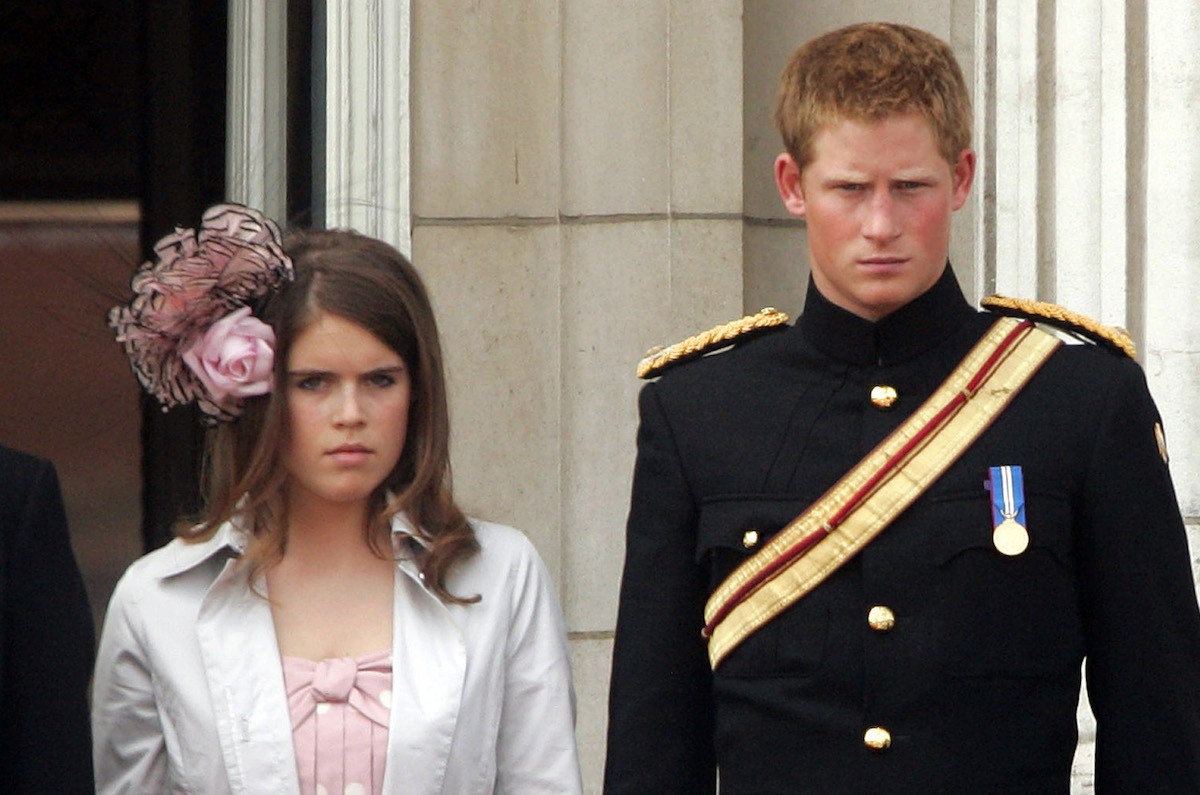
(1096, 185)
(365, 134)
(255, 135)
(1171, 271)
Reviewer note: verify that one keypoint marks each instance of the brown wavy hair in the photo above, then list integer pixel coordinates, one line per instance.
(372, 284)
(866, 73)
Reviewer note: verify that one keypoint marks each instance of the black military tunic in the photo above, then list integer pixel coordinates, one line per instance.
(930, 662)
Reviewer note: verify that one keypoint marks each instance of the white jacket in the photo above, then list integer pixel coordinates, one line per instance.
(188, 694)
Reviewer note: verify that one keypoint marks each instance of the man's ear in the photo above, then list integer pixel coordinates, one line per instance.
(964, 175)
(787, 180)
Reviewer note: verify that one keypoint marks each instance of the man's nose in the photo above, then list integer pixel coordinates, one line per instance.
(880, 221)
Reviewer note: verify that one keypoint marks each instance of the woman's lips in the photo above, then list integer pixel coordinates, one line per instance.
(350, 453)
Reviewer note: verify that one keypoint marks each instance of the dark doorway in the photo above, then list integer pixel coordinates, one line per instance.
(183, 172)
(112, 131)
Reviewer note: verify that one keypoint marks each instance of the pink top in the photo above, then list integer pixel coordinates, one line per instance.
(340, 710)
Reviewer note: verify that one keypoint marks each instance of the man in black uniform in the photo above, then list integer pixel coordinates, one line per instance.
(944, 653)
(46, 637)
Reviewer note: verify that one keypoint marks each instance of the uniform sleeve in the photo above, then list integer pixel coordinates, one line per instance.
(536, 752)
(1140, 614)
(47, 650)
(128, 745)
(660, 721)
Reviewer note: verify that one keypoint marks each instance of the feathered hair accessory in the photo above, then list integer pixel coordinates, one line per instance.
(189, 331)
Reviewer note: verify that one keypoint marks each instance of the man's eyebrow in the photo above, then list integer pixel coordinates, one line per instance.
(843, 179)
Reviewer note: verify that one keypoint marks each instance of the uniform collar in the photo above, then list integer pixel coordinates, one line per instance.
(911, 330)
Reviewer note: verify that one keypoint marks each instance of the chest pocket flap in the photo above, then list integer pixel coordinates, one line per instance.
(739, 524)
(732, 528)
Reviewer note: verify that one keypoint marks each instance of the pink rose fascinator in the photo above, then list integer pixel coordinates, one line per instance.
(189, 331)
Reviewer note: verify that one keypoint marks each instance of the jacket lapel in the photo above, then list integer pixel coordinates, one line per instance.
(429, 664)
(245, 680)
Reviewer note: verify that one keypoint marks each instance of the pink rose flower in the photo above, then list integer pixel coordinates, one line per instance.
(195, 279)
(233, 358)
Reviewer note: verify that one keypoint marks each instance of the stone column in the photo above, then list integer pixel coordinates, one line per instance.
(1096, 180)
(366, 118)
(1054, 138)
(1170, 265)
(255, 134)
(1097, 192)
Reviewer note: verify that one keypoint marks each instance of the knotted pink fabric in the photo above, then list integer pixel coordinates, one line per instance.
(340, 709)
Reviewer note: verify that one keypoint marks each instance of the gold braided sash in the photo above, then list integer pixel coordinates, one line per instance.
(879, 487)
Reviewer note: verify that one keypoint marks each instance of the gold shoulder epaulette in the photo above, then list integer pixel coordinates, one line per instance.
(659, 359)
(1110, 336)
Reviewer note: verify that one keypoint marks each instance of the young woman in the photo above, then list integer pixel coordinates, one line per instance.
(334, 623)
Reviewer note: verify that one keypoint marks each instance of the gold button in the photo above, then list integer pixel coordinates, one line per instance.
(877, 738)
(749, 538)
(883, 396)
(881, 618)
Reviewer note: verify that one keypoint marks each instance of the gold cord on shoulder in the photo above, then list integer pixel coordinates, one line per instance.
(658, 359)
(1064, 318)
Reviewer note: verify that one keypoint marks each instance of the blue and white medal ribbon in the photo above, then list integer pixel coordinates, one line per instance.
(1009, 533)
